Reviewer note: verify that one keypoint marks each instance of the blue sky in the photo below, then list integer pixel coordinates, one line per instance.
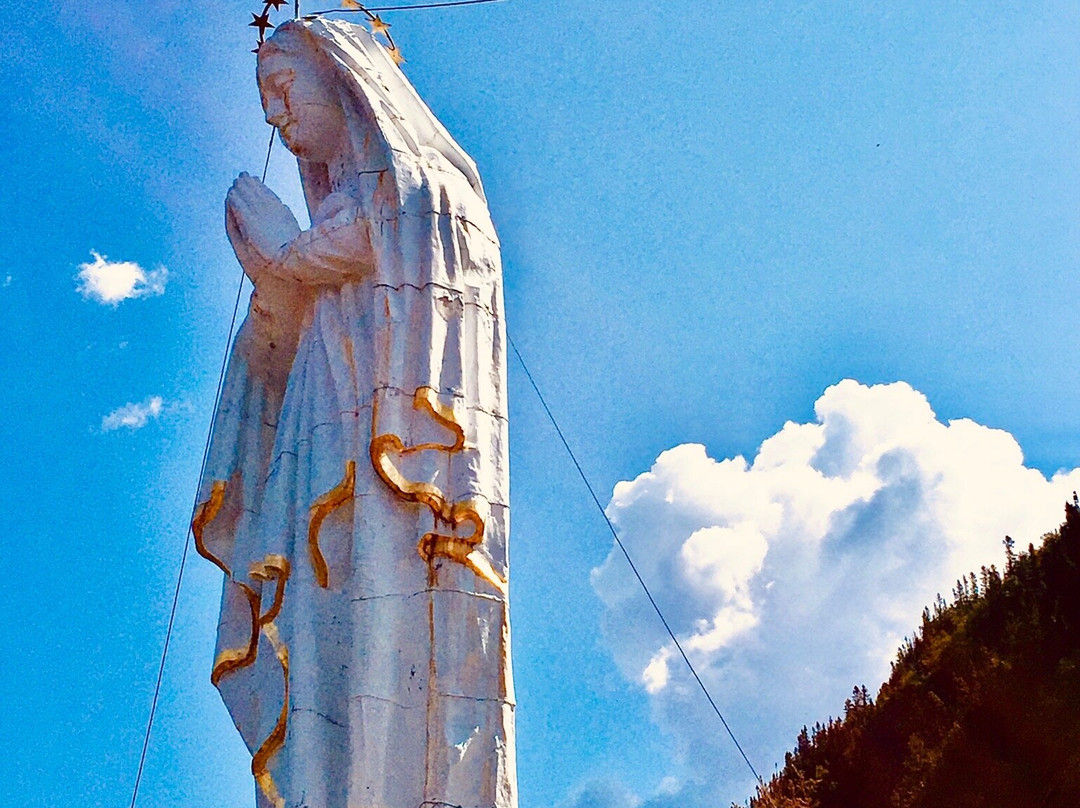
(711, 215)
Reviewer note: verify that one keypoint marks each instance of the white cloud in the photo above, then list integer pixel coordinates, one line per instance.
(7, 281)
(670, 793)
(133, 416)
(793, 578)
(111, 282)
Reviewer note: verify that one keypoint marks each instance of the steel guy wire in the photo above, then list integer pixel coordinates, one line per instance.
(194, 505)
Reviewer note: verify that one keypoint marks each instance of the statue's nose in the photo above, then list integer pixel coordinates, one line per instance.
(276, 111)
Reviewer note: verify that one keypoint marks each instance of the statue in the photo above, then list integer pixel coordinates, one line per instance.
(356, 489)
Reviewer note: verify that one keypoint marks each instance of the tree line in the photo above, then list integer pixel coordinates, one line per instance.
(982, 707)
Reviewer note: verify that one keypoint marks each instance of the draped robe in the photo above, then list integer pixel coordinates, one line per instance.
(356, 489)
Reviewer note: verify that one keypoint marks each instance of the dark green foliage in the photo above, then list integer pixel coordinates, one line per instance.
(982, 709)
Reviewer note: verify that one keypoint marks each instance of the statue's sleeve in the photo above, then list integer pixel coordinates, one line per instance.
(334, 251)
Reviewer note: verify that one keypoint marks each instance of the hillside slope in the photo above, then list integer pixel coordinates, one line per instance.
(982, 708)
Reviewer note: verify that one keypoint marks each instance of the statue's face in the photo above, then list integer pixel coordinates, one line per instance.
(298, 100)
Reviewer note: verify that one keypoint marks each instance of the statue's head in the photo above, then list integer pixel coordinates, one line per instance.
(297, 84)
(333, 90)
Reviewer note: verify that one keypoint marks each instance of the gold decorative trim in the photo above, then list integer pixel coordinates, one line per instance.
(323, 507)
(273, 568)
(460, 549)
(233, 659)
(230, 659)
(205, 513)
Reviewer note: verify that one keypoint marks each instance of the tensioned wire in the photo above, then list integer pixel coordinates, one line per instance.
(551, 418)
(629, 560)
(194, 505)
(412, 7)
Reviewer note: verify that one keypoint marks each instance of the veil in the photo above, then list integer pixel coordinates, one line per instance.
(379, 98)
(417, 344)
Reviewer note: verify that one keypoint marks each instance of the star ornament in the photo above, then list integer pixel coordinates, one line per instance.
(351, 5)
(262, 22)
(395, 54)
(277, 4)
(379, 27)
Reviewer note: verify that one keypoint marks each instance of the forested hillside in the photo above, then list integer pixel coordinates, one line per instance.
(982, 708)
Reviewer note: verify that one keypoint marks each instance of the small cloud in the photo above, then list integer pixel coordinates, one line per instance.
(111, 282)
(7, 281)
(133, 416)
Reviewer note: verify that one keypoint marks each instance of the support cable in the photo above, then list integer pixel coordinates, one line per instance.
(406, 7)
(562, 438)
(194, 505)
(630, 561)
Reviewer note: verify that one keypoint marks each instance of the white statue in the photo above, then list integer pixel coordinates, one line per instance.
(356, 493)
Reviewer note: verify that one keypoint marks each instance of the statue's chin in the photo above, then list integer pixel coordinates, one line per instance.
(315, 152)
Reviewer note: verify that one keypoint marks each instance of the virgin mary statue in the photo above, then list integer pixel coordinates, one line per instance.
(356, 489)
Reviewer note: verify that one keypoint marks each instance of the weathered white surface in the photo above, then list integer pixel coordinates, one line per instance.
(380, 679)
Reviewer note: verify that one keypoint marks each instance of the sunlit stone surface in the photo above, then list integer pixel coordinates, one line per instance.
(356, 493)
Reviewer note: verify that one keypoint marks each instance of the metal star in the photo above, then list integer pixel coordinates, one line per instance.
(395, 54)
(379, 27)
(277, 4)
(351, 4)
(262, 22)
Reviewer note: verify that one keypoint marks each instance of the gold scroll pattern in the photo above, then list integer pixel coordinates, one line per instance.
(273, 568)
(230, 659)
(335, 497)
(320, 509)
(463, 550)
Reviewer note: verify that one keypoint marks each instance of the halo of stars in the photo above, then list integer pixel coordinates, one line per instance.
(379, 27)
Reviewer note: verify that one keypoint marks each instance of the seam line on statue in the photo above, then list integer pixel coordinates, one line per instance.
(324, 716)
(442, 287)
(432, 591)
(459, 396)
(492, 504)
(365, 408)
(479, 228)
(453, 290)
(474, 698)
(275, 468)
(358, 696)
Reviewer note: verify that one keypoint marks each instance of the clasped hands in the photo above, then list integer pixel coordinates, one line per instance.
(260, 226)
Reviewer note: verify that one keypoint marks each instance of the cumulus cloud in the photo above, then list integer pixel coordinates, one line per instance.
(670, 793)
(112, 282)
(793, 577)
(133, 415)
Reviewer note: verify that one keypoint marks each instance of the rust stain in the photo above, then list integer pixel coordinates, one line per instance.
(347, 343)
(504, 656)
